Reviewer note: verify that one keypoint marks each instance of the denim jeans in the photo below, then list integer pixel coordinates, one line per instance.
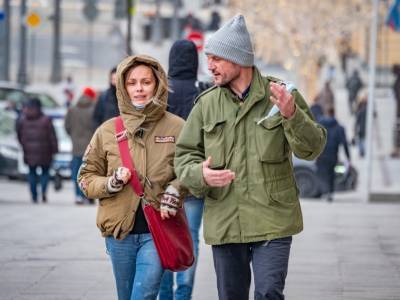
(185, 279)
(44, 180)
(269, 260)
(75, 165)
(136, 266)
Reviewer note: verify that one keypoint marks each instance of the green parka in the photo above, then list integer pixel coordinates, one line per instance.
(262, 202)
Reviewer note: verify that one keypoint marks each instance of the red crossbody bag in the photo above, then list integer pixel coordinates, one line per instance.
(171, 236)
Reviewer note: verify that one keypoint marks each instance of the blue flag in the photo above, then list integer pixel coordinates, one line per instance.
(393, 18)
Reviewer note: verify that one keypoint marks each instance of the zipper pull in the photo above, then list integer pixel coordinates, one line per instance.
(148, 182)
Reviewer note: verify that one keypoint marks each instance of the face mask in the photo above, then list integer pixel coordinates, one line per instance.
(139, 106)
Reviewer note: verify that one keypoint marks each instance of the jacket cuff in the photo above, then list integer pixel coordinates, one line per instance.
(172, 191)
(294, 121)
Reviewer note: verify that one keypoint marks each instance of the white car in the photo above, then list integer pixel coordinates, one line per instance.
(11, 155)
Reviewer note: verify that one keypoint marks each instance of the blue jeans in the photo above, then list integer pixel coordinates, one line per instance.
(136, 266)
(75, 165)
(185, 279)
(44, 180)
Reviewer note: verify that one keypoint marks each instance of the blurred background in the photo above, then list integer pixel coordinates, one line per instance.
(341, 53)
(55, 48)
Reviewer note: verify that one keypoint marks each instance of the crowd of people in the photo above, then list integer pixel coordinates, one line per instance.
(213, 148)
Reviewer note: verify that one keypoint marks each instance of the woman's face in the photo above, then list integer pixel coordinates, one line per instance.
(140, 84)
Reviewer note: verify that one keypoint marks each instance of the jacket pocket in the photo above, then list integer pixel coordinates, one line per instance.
(285, 197)
(270, 140)
(214, 143)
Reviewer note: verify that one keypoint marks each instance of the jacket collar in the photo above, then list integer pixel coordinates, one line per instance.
(257, 93)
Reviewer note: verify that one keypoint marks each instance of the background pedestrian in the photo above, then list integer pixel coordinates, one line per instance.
(107, 104)
(38, 139)
(80, 127)
(327, 160)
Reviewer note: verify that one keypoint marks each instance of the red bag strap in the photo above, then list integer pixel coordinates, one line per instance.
(122, 139)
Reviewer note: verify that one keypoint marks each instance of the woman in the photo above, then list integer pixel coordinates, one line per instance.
(38, 139)
(152, 133)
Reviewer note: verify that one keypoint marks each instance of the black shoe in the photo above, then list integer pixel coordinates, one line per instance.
(44, 199)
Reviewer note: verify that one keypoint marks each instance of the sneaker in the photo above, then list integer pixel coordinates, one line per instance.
(90, 201)
(79, 200)
(44, 199)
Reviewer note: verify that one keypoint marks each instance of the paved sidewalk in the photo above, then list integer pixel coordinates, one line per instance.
(348, 250)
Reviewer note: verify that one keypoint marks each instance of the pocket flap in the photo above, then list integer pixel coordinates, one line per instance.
(271, 122)
(210, 127)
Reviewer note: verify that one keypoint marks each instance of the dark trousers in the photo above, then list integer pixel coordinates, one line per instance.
(44, 180)
(269, 260)
(326, 174)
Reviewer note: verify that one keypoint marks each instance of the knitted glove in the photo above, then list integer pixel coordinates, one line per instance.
(118, 179)
(170, 200)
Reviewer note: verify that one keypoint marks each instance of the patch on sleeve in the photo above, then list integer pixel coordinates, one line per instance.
(164, 139)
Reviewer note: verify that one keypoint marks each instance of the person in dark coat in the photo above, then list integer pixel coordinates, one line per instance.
(184, 88)
(396, 91)
(325, 97)
(353, 85)
(182, 78)
(80, 126)
(107, 105)
(328, 159)
(38, 139)
(316, 110)
(360, 125)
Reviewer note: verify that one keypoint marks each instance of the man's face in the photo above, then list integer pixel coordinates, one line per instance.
(113, 79)
(223, 71)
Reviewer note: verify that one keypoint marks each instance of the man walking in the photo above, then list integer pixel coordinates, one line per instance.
(328, 159)
(232, 152)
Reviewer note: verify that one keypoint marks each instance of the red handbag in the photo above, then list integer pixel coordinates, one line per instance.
(171, 236)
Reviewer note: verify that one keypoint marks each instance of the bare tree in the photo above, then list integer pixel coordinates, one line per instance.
(298, 33)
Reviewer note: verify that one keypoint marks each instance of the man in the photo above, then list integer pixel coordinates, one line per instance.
(353, 85)
(396, 91)
(328, 159)
(239, 158)
(107, 105)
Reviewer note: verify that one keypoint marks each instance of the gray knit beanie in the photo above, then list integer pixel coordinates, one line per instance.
(232, 42)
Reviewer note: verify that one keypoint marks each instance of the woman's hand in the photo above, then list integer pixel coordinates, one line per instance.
(119, 178)
(170, 203)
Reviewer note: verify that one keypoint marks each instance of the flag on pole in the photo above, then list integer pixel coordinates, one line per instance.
(393, 18)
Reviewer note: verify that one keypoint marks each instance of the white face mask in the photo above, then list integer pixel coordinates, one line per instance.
(139, 106)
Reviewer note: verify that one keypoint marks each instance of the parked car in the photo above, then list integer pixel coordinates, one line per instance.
(11, 155)
(13, 97)
(309, 184)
